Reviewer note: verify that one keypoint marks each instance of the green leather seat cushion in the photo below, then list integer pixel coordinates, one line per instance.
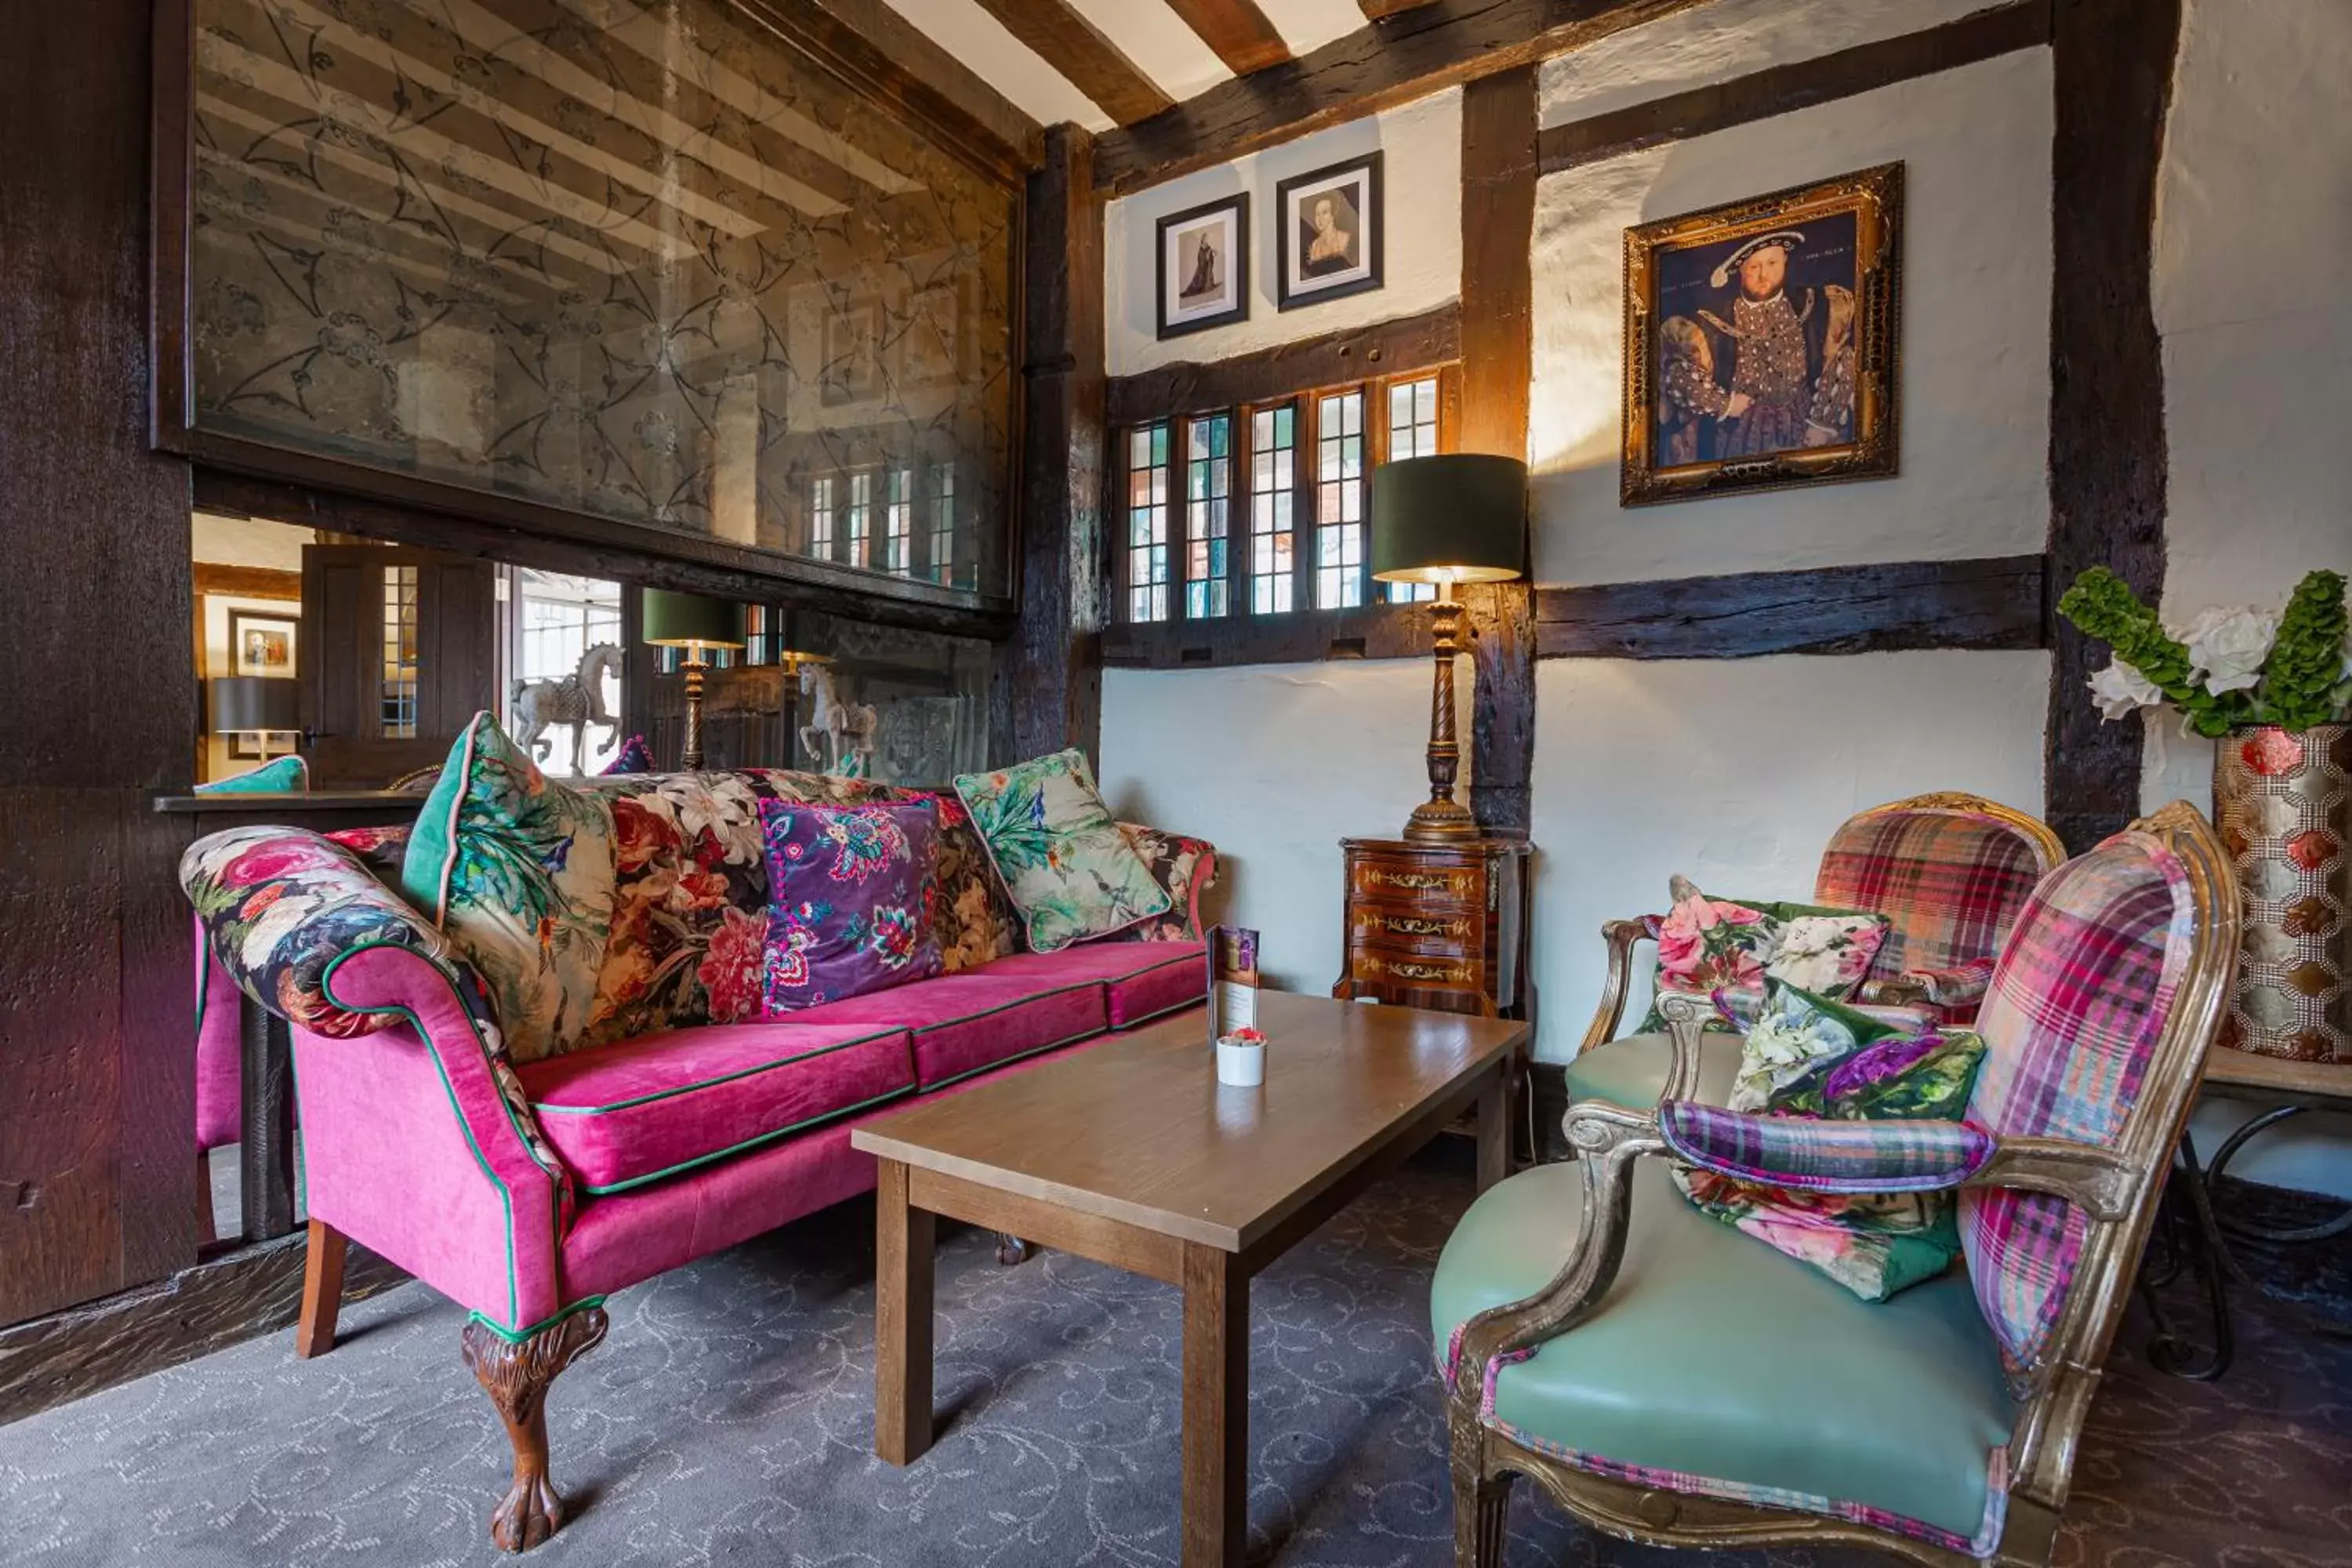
(1715, 1356)
(1631, 1072)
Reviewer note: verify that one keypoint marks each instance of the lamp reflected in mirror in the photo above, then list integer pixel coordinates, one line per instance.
(698, 627)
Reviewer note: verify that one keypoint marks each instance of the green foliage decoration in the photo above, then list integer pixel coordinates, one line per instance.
(2304, 679)
(2306, 663)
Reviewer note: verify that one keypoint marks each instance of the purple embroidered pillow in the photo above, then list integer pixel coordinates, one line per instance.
(848, 900)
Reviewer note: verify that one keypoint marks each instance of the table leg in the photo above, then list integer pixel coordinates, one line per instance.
(1494, 1130)
(1216, 1409)
(904, 1256)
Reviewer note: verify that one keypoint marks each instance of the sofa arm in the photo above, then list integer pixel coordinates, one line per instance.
(279, 904)
(1185, 869)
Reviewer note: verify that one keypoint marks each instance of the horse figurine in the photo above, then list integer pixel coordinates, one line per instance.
(577, 702)
(839, 735)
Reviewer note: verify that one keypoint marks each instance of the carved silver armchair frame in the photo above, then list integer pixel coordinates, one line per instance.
(2116, 1188)
(1893, 992)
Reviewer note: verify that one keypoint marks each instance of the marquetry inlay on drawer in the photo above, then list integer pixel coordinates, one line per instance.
(1375, 879)
(1421, 928)
(1418, 970)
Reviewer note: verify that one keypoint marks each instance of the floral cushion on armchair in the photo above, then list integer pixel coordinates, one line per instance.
(1808, 1056)
(1727, 950)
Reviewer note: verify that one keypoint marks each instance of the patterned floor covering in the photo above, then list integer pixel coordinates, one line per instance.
(727, 1420)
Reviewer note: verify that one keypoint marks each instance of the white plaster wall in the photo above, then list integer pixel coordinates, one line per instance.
(1422, 181)
(1714, 43)
(1733, 772)
(1975, 336)
(1275, 764)
(247, 541)
(2253, 228)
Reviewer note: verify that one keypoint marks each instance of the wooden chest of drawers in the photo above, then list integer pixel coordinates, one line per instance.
(1441, 926)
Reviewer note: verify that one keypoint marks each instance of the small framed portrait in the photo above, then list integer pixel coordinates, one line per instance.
(853, 354)
(1762, 341)
(1203, 266)
(261, 644)
(1328, 224)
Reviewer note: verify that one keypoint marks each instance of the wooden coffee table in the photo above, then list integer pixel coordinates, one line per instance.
(1131, 1153)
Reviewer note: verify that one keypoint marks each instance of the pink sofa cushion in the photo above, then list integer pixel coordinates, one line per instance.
(627, 1113)
(968, 1023)
(1140, 980)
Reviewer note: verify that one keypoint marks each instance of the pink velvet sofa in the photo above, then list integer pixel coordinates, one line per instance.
(529, 1192)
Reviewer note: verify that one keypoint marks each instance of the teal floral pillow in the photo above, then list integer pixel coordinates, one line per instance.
(1807, 1055)
(518, 872)
(1062, 858)
(286, 775)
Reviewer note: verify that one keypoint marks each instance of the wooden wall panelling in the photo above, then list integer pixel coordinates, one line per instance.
(1408, 57)
(1498, 214)
(1719, 105)
(2112, 66)
(1048, 681)
(1991, 603)
(99, 706)
(208, 1307)
(1353, 353)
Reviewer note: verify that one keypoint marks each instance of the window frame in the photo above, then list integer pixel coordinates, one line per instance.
(1305, 618)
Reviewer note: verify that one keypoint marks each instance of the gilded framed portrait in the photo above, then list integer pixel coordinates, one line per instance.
(1762, 341)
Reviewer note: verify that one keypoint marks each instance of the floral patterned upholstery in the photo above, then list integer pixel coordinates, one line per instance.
(1950, 880)
(1185, 869)
(1064, 862)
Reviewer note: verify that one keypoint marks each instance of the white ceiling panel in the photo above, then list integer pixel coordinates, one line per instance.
(1158, 41)
(1005, 62)
(1311, 23)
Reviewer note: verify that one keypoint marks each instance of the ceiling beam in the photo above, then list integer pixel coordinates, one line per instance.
(1070, 43)
(1381, 10)
(1416, 53)
(1243, 35)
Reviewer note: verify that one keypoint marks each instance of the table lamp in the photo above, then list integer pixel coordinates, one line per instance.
(1457, 517)
(697, 624)
(254, 705)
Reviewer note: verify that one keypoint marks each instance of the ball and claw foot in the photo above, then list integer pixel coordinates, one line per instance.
(516, 1374)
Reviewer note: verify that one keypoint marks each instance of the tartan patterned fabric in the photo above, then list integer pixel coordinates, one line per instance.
(1951, 989)
(1987, 1538)
(1824, 1156)
(2076, 1006)
(1951, 881)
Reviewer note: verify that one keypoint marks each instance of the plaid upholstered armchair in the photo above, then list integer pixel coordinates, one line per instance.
(1669, 1379)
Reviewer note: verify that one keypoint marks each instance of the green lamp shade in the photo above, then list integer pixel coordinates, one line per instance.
(247, 704)
(1457, 517)
(689, 620)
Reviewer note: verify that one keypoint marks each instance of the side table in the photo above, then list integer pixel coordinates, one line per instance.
(1441, 926)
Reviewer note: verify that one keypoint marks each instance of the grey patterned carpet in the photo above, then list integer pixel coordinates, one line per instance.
(727, 1419)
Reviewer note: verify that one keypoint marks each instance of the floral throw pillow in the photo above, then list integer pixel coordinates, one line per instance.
(634, 757)
(1806, 1056)
(1726, 950)
(1063, 861)
(518, 872)
(849, 891)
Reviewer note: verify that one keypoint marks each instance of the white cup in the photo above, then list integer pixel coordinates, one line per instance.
(1240, 1064)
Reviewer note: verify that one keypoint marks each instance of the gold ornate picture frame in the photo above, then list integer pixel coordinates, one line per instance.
(1762, 341)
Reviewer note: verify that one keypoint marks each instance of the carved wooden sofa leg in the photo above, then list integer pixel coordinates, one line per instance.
(323, 1291)
(515, 1374)
(1009, 1248)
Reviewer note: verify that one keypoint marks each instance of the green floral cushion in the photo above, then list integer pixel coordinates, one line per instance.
(286, 775)
(1063, 861)
(518, 871)
(1728, 949)
(1807, 1055)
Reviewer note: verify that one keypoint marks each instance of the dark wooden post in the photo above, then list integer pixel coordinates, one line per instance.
(1498, 213)
(2113, 63)
(1048, 681)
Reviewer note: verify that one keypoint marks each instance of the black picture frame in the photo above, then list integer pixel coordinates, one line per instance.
(1293, 290)
(1171, 319)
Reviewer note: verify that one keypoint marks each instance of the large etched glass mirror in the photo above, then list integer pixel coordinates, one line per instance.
(633, 260)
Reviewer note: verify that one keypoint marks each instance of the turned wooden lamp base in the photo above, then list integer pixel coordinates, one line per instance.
(1441, 819)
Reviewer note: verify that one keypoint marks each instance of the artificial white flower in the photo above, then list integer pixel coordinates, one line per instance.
(2226, 646)
(2121, 689)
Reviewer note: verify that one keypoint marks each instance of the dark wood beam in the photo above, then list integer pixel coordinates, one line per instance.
(870, 46)
(223, 1300)
(1243, 35)
(1498, 219)
(1408, 57)
(1373, 631)
(1719, 105)
(2113, 70)
(1991, 603)
(247, 581)
(1073, 46)
(1381, 10)
(1193, 386)
(1047, 682)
